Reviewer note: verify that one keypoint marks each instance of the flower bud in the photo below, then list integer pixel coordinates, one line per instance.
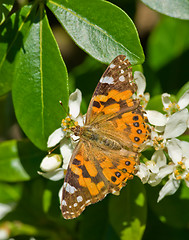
(50, 162)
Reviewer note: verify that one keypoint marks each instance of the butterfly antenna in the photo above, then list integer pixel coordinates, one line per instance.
(71, 120)
(63, 107)
(52, 150)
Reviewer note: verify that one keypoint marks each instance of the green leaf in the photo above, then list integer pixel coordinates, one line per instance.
(10, 192)
(19, 161)
(12, 33)
(128, 211)
(183, 90)
(172, 210)
(164, 40)
(5, 8)
(100, 28)
(40, 82)
(172, 8)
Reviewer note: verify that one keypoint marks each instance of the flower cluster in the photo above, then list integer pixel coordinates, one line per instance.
(165, 128)
(170, 159)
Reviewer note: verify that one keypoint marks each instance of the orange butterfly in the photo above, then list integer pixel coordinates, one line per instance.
(109, 145)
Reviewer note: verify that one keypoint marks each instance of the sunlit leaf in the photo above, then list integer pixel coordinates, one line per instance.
(5, 9)
(103, 38)
(40, 82)
(172, 8)
(13, 32)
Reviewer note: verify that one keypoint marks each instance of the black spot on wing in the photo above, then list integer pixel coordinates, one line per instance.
(96, 104)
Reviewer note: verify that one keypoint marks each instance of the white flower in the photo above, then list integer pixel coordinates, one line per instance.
(140, 80)
(66, 138)
(170, 107)
(50, 162)
(153, 171)
(166, 127)
(179, 153)
(50, 166)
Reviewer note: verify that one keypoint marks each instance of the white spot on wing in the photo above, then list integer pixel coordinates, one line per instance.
(122, 71)
(122, 78)
(79, 199)
(69, 188)
(112, 65)
(75, 205)
(82, 207)
(64, 203)
(107, 79)
(88, 201)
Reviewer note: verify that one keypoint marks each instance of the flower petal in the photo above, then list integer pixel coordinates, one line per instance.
(169, 188)
(151, 165)
(165, 97)
(176, 124)
(185, 148)
(80, 120)
(60, 194)
(55, 137)
(66, 149)
(174, 150)
(159, 129)
(154, 180)
(156, 118)
(184, 100)
(74, 103)
(165, 170)
(159, 158)
(140, 81)
(55, 175)
(50, 162)
(143, 172)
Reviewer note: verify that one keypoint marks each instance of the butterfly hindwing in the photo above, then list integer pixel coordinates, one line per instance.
(90, 177)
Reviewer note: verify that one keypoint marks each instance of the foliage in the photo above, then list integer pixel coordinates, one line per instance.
(34, 77)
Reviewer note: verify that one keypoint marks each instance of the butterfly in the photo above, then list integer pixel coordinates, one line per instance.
(109, 145)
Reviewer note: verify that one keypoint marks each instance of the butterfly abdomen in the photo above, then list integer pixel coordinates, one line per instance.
(101, 140)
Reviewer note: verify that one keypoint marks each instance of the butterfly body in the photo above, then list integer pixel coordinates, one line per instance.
(108, 149)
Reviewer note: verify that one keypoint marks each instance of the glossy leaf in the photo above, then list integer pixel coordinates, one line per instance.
(103, 38)
(128, 211)
(172, 8)
(19, 161)
(13, 32)
(40, 82)
(5, 8)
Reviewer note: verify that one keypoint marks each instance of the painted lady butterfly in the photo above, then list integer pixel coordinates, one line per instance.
(109, 145)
